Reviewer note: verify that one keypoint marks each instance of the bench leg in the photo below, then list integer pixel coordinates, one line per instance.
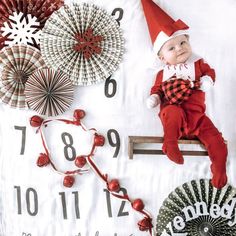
(131, 149)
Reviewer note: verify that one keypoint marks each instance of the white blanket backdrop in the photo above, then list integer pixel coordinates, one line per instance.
(33, 200)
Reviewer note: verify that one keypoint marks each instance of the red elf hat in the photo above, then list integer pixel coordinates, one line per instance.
(161, 26)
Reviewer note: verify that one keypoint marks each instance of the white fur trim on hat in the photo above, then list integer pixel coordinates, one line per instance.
(162, 38)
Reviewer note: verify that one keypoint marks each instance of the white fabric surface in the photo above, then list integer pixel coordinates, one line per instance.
(150, 178)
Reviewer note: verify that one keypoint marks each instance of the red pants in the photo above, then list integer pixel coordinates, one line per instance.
(189, 120)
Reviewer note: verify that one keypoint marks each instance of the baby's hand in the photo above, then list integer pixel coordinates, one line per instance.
(206, 83)
(153, 100)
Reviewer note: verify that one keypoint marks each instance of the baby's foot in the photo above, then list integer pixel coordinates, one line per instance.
(219, 181)
(172, 151)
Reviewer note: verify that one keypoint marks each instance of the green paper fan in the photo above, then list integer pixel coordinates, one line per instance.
(198, 209)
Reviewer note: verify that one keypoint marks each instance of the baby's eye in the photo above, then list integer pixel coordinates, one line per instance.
(183, 42)
(171, 48)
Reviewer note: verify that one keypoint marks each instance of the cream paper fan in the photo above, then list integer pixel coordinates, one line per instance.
(83, 41)
(49, 92)
(198, 209)
(18, 63)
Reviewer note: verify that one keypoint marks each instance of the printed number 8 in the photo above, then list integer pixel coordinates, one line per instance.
(68, 146)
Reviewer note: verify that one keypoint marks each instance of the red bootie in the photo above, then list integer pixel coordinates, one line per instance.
(219, 180)
(172, 151)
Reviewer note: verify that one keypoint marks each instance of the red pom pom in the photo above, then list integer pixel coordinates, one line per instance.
(36, 121)
(145, 224)
(43, 160)
(114, 185)
(138, 204)
(80, 161)
(79, 114)
(99, 140)
(68, 181)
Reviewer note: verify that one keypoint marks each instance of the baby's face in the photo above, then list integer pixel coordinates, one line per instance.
(176, 50)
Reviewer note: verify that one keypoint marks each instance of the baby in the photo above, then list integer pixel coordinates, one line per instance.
(180, 88)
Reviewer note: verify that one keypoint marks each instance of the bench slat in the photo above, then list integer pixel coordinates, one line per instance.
(152, 139)
(160, 152)
(135, 140)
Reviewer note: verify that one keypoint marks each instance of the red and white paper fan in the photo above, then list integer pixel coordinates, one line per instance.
(49, 92)
(84, 41)
(21, 21)
(18, 63)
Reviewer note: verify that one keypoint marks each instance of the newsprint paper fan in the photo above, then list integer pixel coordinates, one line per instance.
(21, 20)
(198, 209)
(84, 41)
(49, 92)
(18, 63)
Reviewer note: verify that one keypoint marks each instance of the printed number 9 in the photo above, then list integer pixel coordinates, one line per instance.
(116, 142)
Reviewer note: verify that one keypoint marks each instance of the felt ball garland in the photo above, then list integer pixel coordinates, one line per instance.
(112, 185)
(80, 161)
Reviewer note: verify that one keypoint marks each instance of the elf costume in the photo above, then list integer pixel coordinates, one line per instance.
(180, 89)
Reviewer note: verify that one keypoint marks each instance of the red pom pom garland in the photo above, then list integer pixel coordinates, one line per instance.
(43, 160)
(138, 204)
(68, 181)
(36, 121)
(113, 185)
(80, 161)
(79, 114)
(99, 140)
(145, 224)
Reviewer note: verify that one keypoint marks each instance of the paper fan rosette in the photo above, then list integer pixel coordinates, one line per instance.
(198, 209)
(18, 63)
(49, 92)
(83, 41)
(22, 20)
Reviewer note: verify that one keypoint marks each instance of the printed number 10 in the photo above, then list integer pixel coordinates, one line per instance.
(32, 207)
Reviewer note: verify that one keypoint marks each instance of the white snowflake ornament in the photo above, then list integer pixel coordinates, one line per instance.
(21, 29)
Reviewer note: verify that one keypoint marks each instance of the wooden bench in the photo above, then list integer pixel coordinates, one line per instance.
(134, 141)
